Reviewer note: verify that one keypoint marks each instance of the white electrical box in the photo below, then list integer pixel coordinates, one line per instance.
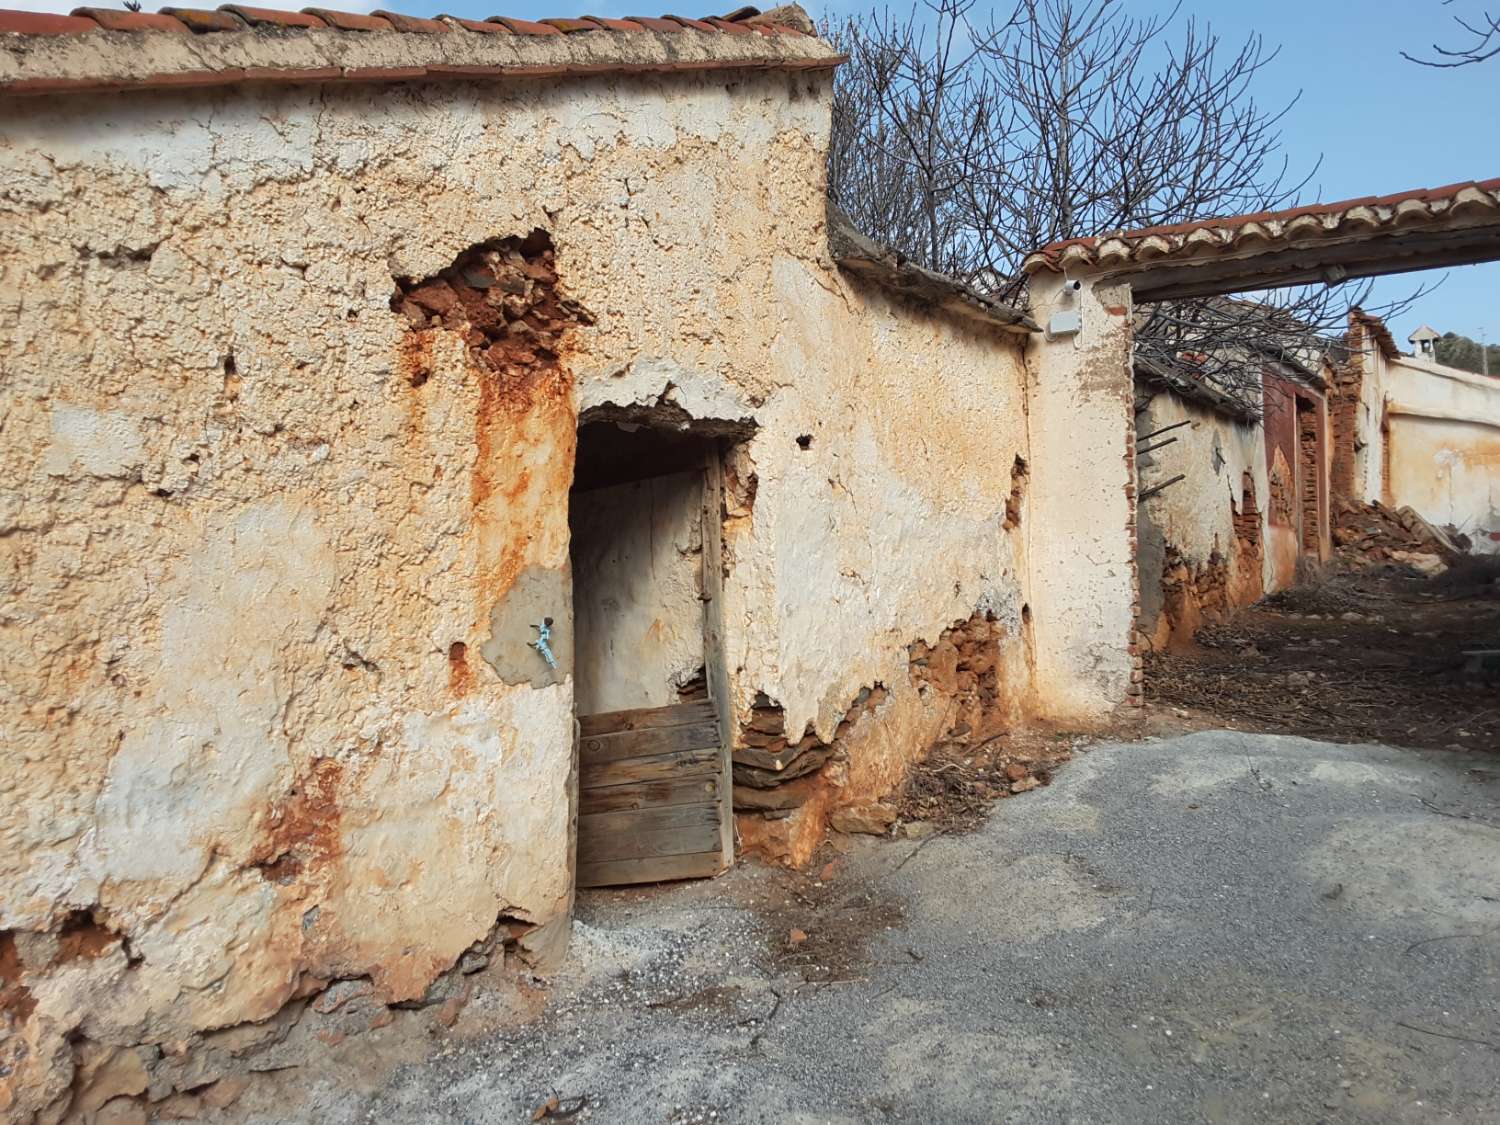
(1068, 322)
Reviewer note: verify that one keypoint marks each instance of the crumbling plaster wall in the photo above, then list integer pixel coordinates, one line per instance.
(260, 532)
(1444, 458)
(1196, 516)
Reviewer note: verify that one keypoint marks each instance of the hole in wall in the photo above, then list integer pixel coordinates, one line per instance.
(804, 441)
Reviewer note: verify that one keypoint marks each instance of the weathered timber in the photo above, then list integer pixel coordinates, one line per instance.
(649, 794)
(638, 834)
(657, 869)
(658, 767)
(643, 743)
(678, 714)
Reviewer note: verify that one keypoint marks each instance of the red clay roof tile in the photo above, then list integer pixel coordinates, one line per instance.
(696, 25)
(349, 21)
(613, 24)
(43, 23)
(272, 17)
(201, 21)
(483, 27)
(412, 24)
(524, 27)
(656, 23)
(1048, 257)
(122, 19)
(344, 62)
(569, 27)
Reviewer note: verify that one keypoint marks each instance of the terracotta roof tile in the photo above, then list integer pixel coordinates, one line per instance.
(613, 24)
(524, 27)
(1207, 237)
(272, 17)
(122, 19)
(237, 17)
(568, 27)
(44, 23)
(267, 45)
(696, 25)
(412, 24)
(201, 21)
(657, 23)
(349, 21)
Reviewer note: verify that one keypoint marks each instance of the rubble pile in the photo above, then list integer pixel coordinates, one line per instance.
(1373, 534)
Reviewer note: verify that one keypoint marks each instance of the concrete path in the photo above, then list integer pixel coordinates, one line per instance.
(1218, 927)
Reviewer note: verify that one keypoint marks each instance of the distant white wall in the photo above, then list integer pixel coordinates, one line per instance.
(1444, 437)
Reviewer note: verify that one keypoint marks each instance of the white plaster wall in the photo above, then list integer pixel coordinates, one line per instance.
(1445, 446)
(244, 557)
(1213, 453)
(638, 616)
(1082, 533)
(1194, 514)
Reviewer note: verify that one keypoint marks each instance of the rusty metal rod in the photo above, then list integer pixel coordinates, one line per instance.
(1164, 429)
(1155, 488)
(1148, 448)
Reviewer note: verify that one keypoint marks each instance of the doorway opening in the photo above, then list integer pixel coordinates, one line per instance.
(645, 515)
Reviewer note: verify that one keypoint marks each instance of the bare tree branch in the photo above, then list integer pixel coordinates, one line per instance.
(1485, 31)
(964, 147)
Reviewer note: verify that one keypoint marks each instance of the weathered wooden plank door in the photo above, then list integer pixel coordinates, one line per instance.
(651, 795)
(654, 783)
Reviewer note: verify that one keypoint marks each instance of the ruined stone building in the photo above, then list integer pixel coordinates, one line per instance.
(452, 461)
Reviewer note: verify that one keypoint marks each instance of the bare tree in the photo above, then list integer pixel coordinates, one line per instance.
(966, 147)
(1485, 32)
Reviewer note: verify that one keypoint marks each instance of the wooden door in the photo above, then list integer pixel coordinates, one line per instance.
(654, 782)
(651, 795)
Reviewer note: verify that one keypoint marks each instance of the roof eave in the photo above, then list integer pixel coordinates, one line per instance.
(97, 61)
(857, 254)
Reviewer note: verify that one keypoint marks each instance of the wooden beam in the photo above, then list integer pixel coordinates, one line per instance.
(1278, 267)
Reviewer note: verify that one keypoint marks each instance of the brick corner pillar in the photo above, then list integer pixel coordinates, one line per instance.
(1082, 547)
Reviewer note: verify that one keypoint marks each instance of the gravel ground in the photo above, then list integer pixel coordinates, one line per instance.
(1215, 927)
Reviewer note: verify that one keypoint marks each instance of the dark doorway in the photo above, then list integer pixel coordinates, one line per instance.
(645, 518)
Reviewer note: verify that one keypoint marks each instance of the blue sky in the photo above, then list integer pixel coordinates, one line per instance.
(1380, 124)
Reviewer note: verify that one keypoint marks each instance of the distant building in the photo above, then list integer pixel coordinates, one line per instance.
(1424, 342)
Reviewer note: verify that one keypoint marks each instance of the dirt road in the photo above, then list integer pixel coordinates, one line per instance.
(1216, 927)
